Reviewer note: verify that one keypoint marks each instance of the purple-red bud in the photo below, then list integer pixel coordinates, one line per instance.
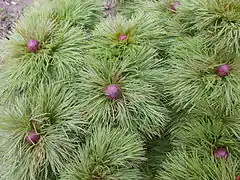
(113, 92)
(223, 70)
(221, 152)
(123, 37)
(32, 137)
(33, 45)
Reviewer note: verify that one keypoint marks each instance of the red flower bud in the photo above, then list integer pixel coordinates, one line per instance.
(33, 137)
(33, 45)
(113, 91)
(223, 70)
(221, 153)
(123, 37)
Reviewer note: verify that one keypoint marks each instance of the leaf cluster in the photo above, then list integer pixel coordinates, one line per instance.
(52, 112)
(107, 154)
(139, 108)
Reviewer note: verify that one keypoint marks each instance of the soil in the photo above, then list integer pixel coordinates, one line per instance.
(10, 11)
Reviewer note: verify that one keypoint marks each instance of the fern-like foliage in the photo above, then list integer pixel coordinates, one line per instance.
(53, 113)
(139, 108)
(183, 165)
(192, 80)
(82, 13)
(217, 20)
(60, 55)
(168, 21)
(107, 154)
(128, 8)
(208, 132)
(141, 29)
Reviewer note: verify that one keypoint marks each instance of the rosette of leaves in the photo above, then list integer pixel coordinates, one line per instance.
(183, 165)
(113, 36)
(58, 55)
(51, 118)
(139, 107)
(193, 78)
(81, 13)
(107, 154)
(217, 20)
(207, 129)
(166, 15)
(84, 14)
(38, 8)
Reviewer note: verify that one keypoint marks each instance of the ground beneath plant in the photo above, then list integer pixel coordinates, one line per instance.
(10, 11)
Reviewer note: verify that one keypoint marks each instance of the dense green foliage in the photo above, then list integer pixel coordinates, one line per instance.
(175, 109)
(97, 159)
